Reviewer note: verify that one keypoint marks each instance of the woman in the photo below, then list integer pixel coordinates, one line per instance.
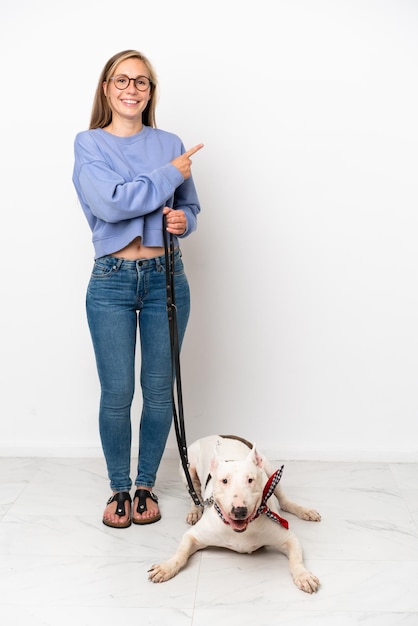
(127, 174)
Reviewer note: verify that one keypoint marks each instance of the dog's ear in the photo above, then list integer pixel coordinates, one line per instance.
(216, 458)
(213, 463)
(256, 457)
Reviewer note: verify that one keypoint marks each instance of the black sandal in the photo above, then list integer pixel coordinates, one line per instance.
(142, 495)
(120, 498)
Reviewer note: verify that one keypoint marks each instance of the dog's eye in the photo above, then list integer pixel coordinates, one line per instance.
(250, 480)
(225, 481)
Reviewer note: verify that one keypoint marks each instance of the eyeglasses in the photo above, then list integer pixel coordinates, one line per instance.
(142, 83)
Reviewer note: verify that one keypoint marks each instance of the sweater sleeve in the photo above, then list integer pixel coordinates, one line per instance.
(186, 198)
(113, 199)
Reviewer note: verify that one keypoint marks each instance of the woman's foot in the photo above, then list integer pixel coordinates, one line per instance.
(117, 513)
(145, 507)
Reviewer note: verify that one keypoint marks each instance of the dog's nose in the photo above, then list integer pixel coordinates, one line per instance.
(239, 512)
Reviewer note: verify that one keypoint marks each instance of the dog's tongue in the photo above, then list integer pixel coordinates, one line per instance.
(238, 525)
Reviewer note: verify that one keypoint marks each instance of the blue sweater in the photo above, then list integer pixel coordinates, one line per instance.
(123, 183)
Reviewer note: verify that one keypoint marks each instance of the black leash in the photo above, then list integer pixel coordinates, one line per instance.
(178, 415)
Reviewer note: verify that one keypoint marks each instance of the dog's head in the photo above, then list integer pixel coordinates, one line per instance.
(238, 488)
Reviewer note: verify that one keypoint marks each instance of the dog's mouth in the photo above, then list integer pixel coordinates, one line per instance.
(238, 525)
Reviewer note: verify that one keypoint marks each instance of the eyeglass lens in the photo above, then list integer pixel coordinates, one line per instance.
(141, 82)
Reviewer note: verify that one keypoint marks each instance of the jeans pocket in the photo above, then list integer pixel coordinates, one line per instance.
(178, 267)
(103, 267)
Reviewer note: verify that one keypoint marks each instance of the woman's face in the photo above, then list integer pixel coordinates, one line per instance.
(128, 103)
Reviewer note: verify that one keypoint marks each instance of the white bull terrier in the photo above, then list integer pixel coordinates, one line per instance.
(242, 498)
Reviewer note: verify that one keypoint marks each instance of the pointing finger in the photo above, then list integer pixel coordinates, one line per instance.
(193, 150)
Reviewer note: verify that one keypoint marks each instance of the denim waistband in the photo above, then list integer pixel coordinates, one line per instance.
(155, 261)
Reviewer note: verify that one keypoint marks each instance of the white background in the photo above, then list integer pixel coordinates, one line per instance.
(303, 271)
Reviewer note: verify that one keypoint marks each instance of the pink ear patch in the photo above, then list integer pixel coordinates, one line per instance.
(258, 459)
(255, 457)
(214, 463)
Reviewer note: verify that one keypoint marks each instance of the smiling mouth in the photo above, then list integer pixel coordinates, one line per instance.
(239, 525)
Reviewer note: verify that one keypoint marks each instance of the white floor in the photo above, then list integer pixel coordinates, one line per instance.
(59, 565)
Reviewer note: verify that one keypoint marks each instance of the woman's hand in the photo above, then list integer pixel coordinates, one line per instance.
(184, 163)
(176, 221)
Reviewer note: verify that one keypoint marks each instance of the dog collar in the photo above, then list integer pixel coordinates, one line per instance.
(271, 485)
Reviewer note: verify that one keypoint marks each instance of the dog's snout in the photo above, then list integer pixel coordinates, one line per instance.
(239, 512)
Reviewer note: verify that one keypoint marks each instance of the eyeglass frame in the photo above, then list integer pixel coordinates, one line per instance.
(113, 78)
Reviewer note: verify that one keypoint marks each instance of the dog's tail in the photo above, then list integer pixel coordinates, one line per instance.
(244, 441)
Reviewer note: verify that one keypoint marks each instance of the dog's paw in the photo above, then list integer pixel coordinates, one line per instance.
(194, 516)
(303, 512)
(310, 515)
(307, 582)
(161, 573)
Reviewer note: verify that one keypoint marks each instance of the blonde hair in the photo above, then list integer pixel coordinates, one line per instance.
(101, 114)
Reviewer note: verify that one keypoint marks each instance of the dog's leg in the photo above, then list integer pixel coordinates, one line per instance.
(195, 512)
(287, 505)
(302, 577)
(290, 507)
(164, 571)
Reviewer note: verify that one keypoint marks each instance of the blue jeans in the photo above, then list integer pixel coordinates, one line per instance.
(123, 296)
